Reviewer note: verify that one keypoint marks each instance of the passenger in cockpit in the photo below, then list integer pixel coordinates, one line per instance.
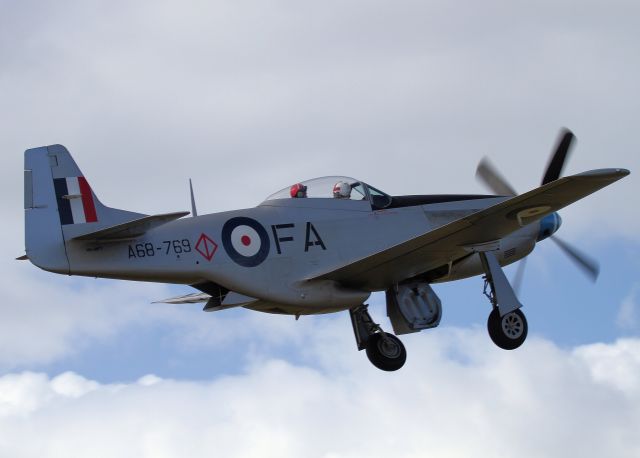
(342, 190)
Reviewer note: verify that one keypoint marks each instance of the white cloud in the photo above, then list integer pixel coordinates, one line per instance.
(616, 365)
(627, 317)
(45, 318)
(457, 396)
(71, 385)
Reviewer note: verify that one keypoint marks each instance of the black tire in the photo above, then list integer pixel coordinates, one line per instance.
(387, 354)
(507, 332)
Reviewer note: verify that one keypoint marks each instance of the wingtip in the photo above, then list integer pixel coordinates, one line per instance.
(615, 174)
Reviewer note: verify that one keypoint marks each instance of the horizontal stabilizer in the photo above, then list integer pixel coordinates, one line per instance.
(131, 229)
(193, 298)
(231, 299)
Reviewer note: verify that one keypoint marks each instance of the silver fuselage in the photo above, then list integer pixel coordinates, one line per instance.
(305, 238)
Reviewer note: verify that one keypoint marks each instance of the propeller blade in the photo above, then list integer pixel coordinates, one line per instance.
(517, 278)
(488, 174)
(588, 265)
(556, 163)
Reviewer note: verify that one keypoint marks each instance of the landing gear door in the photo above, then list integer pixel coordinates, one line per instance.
(412, 307)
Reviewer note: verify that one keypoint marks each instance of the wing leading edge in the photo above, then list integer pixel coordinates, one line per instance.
(399, 262)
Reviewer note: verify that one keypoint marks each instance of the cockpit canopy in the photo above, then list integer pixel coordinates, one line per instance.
(323, 188)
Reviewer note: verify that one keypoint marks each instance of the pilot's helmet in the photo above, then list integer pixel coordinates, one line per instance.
(298, 190)
(342, 190)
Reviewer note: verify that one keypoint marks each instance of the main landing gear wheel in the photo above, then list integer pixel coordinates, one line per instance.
(386, 351)
(507, 332)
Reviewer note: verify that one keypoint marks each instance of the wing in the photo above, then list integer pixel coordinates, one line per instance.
(399, 262)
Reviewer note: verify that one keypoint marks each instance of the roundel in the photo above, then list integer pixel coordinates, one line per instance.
(245, 241)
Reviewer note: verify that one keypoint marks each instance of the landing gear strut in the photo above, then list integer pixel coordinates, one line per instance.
(384, 350)
(506, 324)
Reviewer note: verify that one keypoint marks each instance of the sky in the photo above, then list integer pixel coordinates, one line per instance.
(247, 97)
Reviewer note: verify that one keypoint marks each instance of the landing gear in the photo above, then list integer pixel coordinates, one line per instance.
(384, 350)
(506, 324)
(507, 332)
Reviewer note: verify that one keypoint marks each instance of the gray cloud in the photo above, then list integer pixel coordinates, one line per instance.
(406, 95)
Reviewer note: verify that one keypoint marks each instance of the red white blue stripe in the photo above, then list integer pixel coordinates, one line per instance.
(75, 200)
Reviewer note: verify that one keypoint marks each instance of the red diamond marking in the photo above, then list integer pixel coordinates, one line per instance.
(206, 247)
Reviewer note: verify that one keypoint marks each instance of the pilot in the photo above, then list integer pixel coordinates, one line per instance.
(298, 190)
(342, 190)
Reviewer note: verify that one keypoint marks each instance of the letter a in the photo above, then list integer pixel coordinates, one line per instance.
(316, 241)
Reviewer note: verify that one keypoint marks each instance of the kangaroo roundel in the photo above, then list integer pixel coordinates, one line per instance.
(245, 241)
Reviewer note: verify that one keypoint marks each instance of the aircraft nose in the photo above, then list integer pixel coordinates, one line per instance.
(549, 225)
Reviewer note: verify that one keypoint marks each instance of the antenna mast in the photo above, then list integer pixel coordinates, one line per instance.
(194, 212)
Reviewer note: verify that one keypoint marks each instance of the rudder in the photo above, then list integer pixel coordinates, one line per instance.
(44, 241)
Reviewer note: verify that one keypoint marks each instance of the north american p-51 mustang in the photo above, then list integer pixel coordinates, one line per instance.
(318, 246)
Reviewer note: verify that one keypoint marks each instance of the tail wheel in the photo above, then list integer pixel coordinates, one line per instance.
(386, 352)
(507, 332)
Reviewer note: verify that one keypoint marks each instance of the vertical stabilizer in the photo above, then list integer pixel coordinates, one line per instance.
(59, 205)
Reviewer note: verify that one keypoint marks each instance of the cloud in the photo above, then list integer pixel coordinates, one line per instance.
(615, 365)
(627, 317)
(45, 318)
(49, 319)
(457, 396)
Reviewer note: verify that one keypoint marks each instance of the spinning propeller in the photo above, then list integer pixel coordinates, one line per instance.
(487, 173)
